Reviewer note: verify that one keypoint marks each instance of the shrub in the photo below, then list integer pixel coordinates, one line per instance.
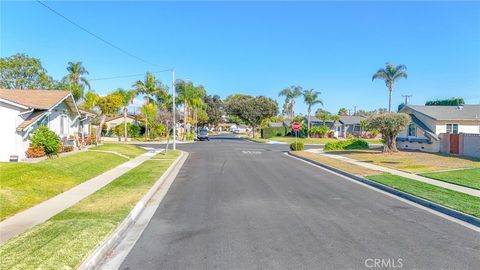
(273, 131)
(298, 146)
(134, 131)
(35, 152)
(47, 139)
(347, 144)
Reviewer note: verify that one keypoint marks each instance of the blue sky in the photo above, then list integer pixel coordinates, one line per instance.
(259, 48)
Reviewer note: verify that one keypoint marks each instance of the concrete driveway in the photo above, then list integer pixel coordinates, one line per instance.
(243, 205)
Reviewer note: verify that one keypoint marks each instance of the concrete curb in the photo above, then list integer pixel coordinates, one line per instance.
(442, 209)
(97, 256)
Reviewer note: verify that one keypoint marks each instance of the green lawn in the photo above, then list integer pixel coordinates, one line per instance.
(468, 177)
(453, 199)
(23, 185)
(128, 150)
(289, 139)
(170, 154)
(65, 240)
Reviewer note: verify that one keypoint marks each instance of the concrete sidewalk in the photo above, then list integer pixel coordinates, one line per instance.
(41, 212)
(427, 180)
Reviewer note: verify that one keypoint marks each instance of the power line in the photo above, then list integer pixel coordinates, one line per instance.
(97, 36)
(128, 76)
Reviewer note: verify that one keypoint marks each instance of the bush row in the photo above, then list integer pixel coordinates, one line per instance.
(347, 144)
(273, 131)
(296, 146)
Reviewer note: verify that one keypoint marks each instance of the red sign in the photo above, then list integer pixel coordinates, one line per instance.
(296, 126)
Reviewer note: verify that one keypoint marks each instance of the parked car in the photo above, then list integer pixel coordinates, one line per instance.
(203, 135)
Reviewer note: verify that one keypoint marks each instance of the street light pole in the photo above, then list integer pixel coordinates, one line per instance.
(174, 94)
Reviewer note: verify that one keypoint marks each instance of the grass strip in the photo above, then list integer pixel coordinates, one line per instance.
(468, 177)
(453, 199)
(65, 240)
(128, 150)
(23, 185)
(169, 155)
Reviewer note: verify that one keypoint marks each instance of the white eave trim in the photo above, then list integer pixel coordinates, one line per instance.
(14, 104)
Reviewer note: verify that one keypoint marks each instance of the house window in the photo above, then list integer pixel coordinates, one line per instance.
(412, 130)
(356, 128)
(452, 128)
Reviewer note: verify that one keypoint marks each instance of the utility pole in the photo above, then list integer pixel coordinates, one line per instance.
(406, 97)
(174, 94)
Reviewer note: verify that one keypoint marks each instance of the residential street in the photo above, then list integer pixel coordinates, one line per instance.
(243, 205)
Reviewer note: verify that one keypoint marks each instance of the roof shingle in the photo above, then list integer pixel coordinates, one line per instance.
(36, 99)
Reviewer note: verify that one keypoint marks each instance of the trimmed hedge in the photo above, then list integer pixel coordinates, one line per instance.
(298, 146)
(273, 131)
(347, 144)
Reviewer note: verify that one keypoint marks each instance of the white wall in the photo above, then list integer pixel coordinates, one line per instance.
(463, 126)
(11, 143)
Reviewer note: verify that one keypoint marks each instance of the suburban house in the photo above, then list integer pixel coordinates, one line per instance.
(431, 126)
(113, 121)
(23, 111)
(348, 124)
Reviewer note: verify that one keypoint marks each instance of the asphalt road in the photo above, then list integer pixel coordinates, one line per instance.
(242, 205)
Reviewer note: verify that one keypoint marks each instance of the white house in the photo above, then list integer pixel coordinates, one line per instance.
(113, 121)
(429, 122)
(23, 111)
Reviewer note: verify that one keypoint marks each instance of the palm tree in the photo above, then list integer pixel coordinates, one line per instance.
(150, 87)
(75, 80)
(127, 98)
(190, 96)
(311, 98)
(290, 95)
(390, 74)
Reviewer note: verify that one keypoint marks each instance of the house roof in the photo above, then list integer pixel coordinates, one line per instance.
(351, 119)
(32, 118)
(35, 99)
(113, 117)
(465, 112)
(39, 101)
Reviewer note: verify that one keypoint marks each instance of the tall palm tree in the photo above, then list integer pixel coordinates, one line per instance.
(310, 97)
(75, 79)
(190, 96)
(290, 95)
(127, 99)
(150, 87)
(389, 75)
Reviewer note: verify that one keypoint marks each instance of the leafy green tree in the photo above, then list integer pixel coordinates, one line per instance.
(324, 116)
(214, 109)
(75, 81)
(454, 101)
(90, 100)
(149, 110)
(20, 71)
(127, 99)
(252, 110)
(343, 111)
(389, 125)
(310, 97)
(335, 119)
(107, 105)
(290, 95)
(390, 74)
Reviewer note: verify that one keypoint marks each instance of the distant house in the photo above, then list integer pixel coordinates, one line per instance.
(428, 123)
(113, 121)
(348, 124)
(23, 111)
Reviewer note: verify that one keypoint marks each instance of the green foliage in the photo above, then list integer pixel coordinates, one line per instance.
(44, 137)
(347, 144)
(214, 109)
(454, 101)
(298, 118)
(151, 88)
(296, 146)
(389, 125)
(343, 111)
(20, 71)
(133, 130)
(273, 131)
(319, 131)
(290, 95)
(250, 109)
(75, 82)
(390, 74)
